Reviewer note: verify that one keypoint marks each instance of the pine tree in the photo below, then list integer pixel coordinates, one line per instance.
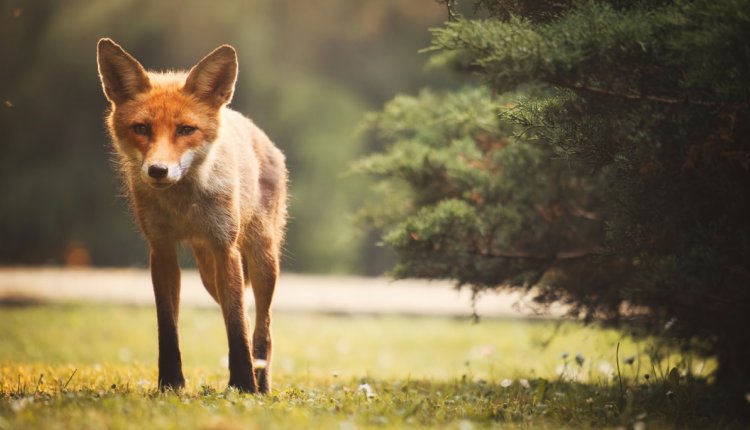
(603, 160)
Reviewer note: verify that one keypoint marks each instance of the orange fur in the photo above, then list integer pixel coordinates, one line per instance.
(200, 173)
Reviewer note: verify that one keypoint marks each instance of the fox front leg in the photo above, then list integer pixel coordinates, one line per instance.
(165, 275)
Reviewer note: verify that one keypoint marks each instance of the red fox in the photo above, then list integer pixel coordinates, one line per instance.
(200, 173)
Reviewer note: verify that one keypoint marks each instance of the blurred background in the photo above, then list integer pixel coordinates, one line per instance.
(309, 72)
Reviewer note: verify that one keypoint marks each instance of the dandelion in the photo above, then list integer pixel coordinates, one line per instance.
(580, 359)
(524, 383)
(505, 383)
(367, 390)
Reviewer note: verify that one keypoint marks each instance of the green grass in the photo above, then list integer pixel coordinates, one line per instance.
(84, 366)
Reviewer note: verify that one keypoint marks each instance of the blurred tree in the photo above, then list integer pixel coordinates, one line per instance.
(610, 169)
(308, 72)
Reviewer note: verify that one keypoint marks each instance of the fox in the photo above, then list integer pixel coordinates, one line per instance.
(200, 174)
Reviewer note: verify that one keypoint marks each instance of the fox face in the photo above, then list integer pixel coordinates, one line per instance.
(163, 123)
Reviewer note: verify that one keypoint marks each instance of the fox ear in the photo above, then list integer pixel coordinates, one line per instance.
(212, 79)
(122, 76)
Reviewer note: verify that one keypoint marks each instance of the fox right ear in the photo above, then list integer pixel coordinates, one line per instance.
(122, 76)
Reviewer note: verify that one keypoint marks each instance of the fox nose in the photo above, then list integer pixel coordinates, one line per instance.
(158, 171)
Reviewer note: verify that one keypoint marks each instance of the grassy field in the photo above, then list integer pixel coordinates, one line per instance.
(85, 366)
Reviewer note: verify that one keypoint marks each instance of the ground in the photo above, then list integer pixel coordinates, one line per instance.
(67, 365)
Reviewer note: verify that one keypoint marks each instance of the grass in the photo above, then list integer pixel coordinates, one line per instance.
(85, 366)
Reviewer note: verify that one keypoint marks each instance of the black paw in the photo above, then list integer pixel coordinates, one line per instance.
(264, 383)
(171, 384)
(244, 385)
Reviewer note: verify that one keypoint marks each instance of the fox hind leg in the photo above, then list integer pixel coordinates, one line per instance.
(229, 280)
(262, 262)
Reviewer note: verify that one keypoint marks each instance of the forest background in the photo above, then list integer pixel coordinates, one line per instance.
(309, 72)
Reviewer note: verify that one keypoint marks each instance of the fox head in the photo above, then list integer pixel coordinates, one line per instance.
(163, 123)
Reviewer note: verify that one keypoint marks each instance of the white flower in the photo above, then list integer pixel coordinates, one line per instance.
(524, 383)
(505, 383)
(347, 425)
(18, 405)
(367, 390)
(605, 368)
(465, 425)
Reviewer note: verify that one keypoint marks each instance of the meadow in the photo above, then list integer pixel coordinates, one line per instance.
(85, 366)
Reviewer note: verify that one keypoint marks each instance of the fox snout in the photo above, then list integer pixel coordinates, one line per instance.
(158, 171)
(162, 174)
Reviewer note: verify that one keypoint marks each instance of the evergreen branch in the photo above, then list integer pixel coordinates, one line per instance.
(572, 255)
(648, 97)
(450, 6)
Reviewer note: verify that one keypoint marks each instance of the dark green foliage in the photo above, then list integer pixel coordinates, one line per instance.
(630, 123)
(482, 205)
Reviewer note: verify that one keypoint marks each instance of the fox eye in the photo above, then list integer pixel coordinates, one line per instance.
(141, 129)
(185, 130)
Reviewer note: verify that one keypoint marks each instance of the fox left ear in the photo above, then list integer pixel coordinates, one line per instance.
(212, 79)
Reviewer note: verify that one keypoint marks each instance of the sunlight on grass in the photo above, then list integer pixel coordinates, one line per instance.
(318, 346)
(61, 366)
